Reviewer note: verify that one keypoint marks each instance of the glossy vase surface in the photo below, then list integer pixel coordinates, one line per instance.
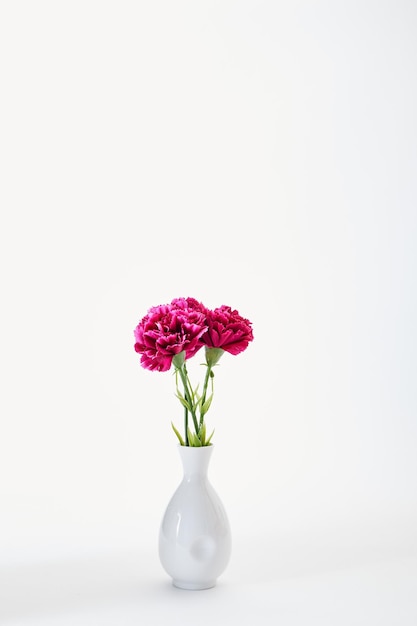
(194, 537)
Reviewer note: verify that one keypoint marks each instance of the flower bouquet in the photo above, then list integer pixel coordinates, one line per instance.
(172, 334)
(195, 536)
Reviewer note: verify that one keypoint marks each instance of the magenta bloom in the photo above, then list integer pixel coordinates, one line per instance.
(170, 334)
(189, 304)
(227, 330)
(167, 330)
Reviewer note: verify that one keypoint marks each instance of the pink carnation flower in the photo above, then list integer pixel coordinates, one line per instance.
(167, 330)
(189, 304)
(169, 334)
(227, 330)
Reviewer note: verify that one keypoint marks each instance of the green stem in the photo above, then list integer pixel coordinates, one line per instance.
(186, 425)
(188, 395)
(203, 399)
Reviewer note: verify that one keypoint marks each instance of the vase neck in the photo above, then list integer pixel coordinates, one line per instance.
(195, 461)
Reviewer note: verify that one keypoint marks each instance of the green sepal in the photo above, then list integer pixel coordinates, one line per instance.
(213, 355)
(179, 360)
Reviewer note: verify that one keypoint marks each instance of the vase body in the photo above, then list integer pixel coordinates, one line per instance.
(194, 537)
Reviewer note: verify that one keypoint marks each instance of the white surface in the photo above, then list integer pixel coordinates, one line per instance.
(130, 590)
(257, 154)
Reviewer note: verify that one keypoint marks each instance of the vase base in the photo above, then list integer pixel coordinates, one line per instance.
(181, 584)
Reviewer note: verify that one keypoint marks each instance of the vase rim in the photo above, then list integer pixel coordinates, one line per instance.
(194, 447)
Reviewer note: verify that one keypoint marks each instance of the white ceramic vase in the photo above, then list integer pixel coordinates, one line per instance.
(194, 538)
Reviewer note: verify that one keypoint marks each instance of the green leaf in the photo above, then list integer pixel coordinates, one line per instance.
(183, 401)
(180, 439)
(197, 403)
(206, 405)
(195, 398)
(202, 434)
(209, 439)
(179, 395)
(193, 439)
(190, 437)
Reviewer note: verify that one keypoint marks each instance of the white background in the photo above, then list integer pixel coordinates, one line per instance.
(257, 154)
